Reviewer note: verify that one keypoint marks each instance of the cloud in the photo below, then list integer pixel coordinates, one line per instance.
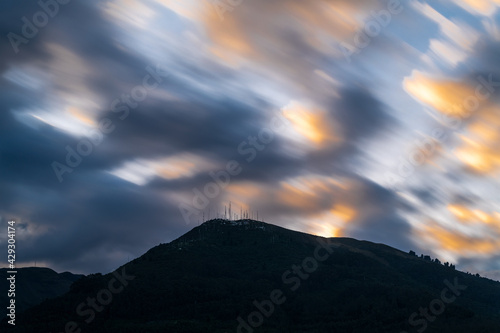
(446, 96)
(479, 149)
(454, 244)
(291, 41)
(236, 35)
(447, 52)
(479, 7)
(66, 83)
(459, 33)
(312, 124)
(348, 206)
(140, 172)
(222, 83)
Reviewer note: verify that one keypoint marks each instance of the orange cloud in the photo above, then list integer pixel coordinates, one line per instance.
(446, 96)
(320, 198)
(479, 149)
(333, 222)
(476, 234)
(467, 215)
(311, 195)
(254, 28)
(308, 193)
(313, 124)
(179, 166)
(458, 243)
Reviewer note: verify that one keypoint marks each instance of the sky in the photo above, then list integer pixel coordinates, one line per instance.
(126, 123)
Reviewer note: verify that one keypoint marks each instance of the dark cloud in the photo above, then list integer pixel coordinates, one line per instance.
(378, 218)
(97, 223)
(360, 114)
(489, 267)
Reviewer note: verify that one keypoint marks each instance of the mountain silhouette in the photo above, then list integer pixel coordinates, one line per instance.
(250, 276)
(34, 285)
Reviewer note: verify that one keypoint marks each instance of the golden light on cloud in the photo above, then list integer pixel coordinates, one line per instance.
(333, 17)
(229, 37)
(312, 124)
(484, 217)
(344, 213)
(485, 130)
(242, 194)
(324, 229)
(333, 222)
(477, 157)
(464, 214)
(446, 96)
(459, 212)
(309, 196)
(320, 199)
(309, 193)
(292, 196)
(458, 243)
(483, 7)
(480, 146)
(179, 166)
(232, 29)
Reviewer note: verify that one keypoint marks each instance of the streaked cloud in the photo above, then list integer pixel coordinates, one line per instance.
(223, 80)
(446, 96)
(482, 7)
(140, 171)
(479, 148)
(311, 123)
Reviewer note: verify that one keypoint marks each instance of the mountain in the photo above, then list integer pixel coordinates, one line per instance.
(34, 285)
(249, 276)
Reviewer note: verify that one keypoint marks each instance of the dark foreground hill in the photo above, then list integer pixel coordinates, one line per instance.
(248, 276)
(34, 285)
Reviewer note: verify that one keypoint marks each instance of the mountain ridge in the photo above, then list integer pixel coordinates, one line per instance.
(210, 279)
(35, 284)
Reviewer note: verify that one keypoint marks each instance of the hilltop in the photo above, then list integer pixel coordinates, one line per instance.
(245, 276)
